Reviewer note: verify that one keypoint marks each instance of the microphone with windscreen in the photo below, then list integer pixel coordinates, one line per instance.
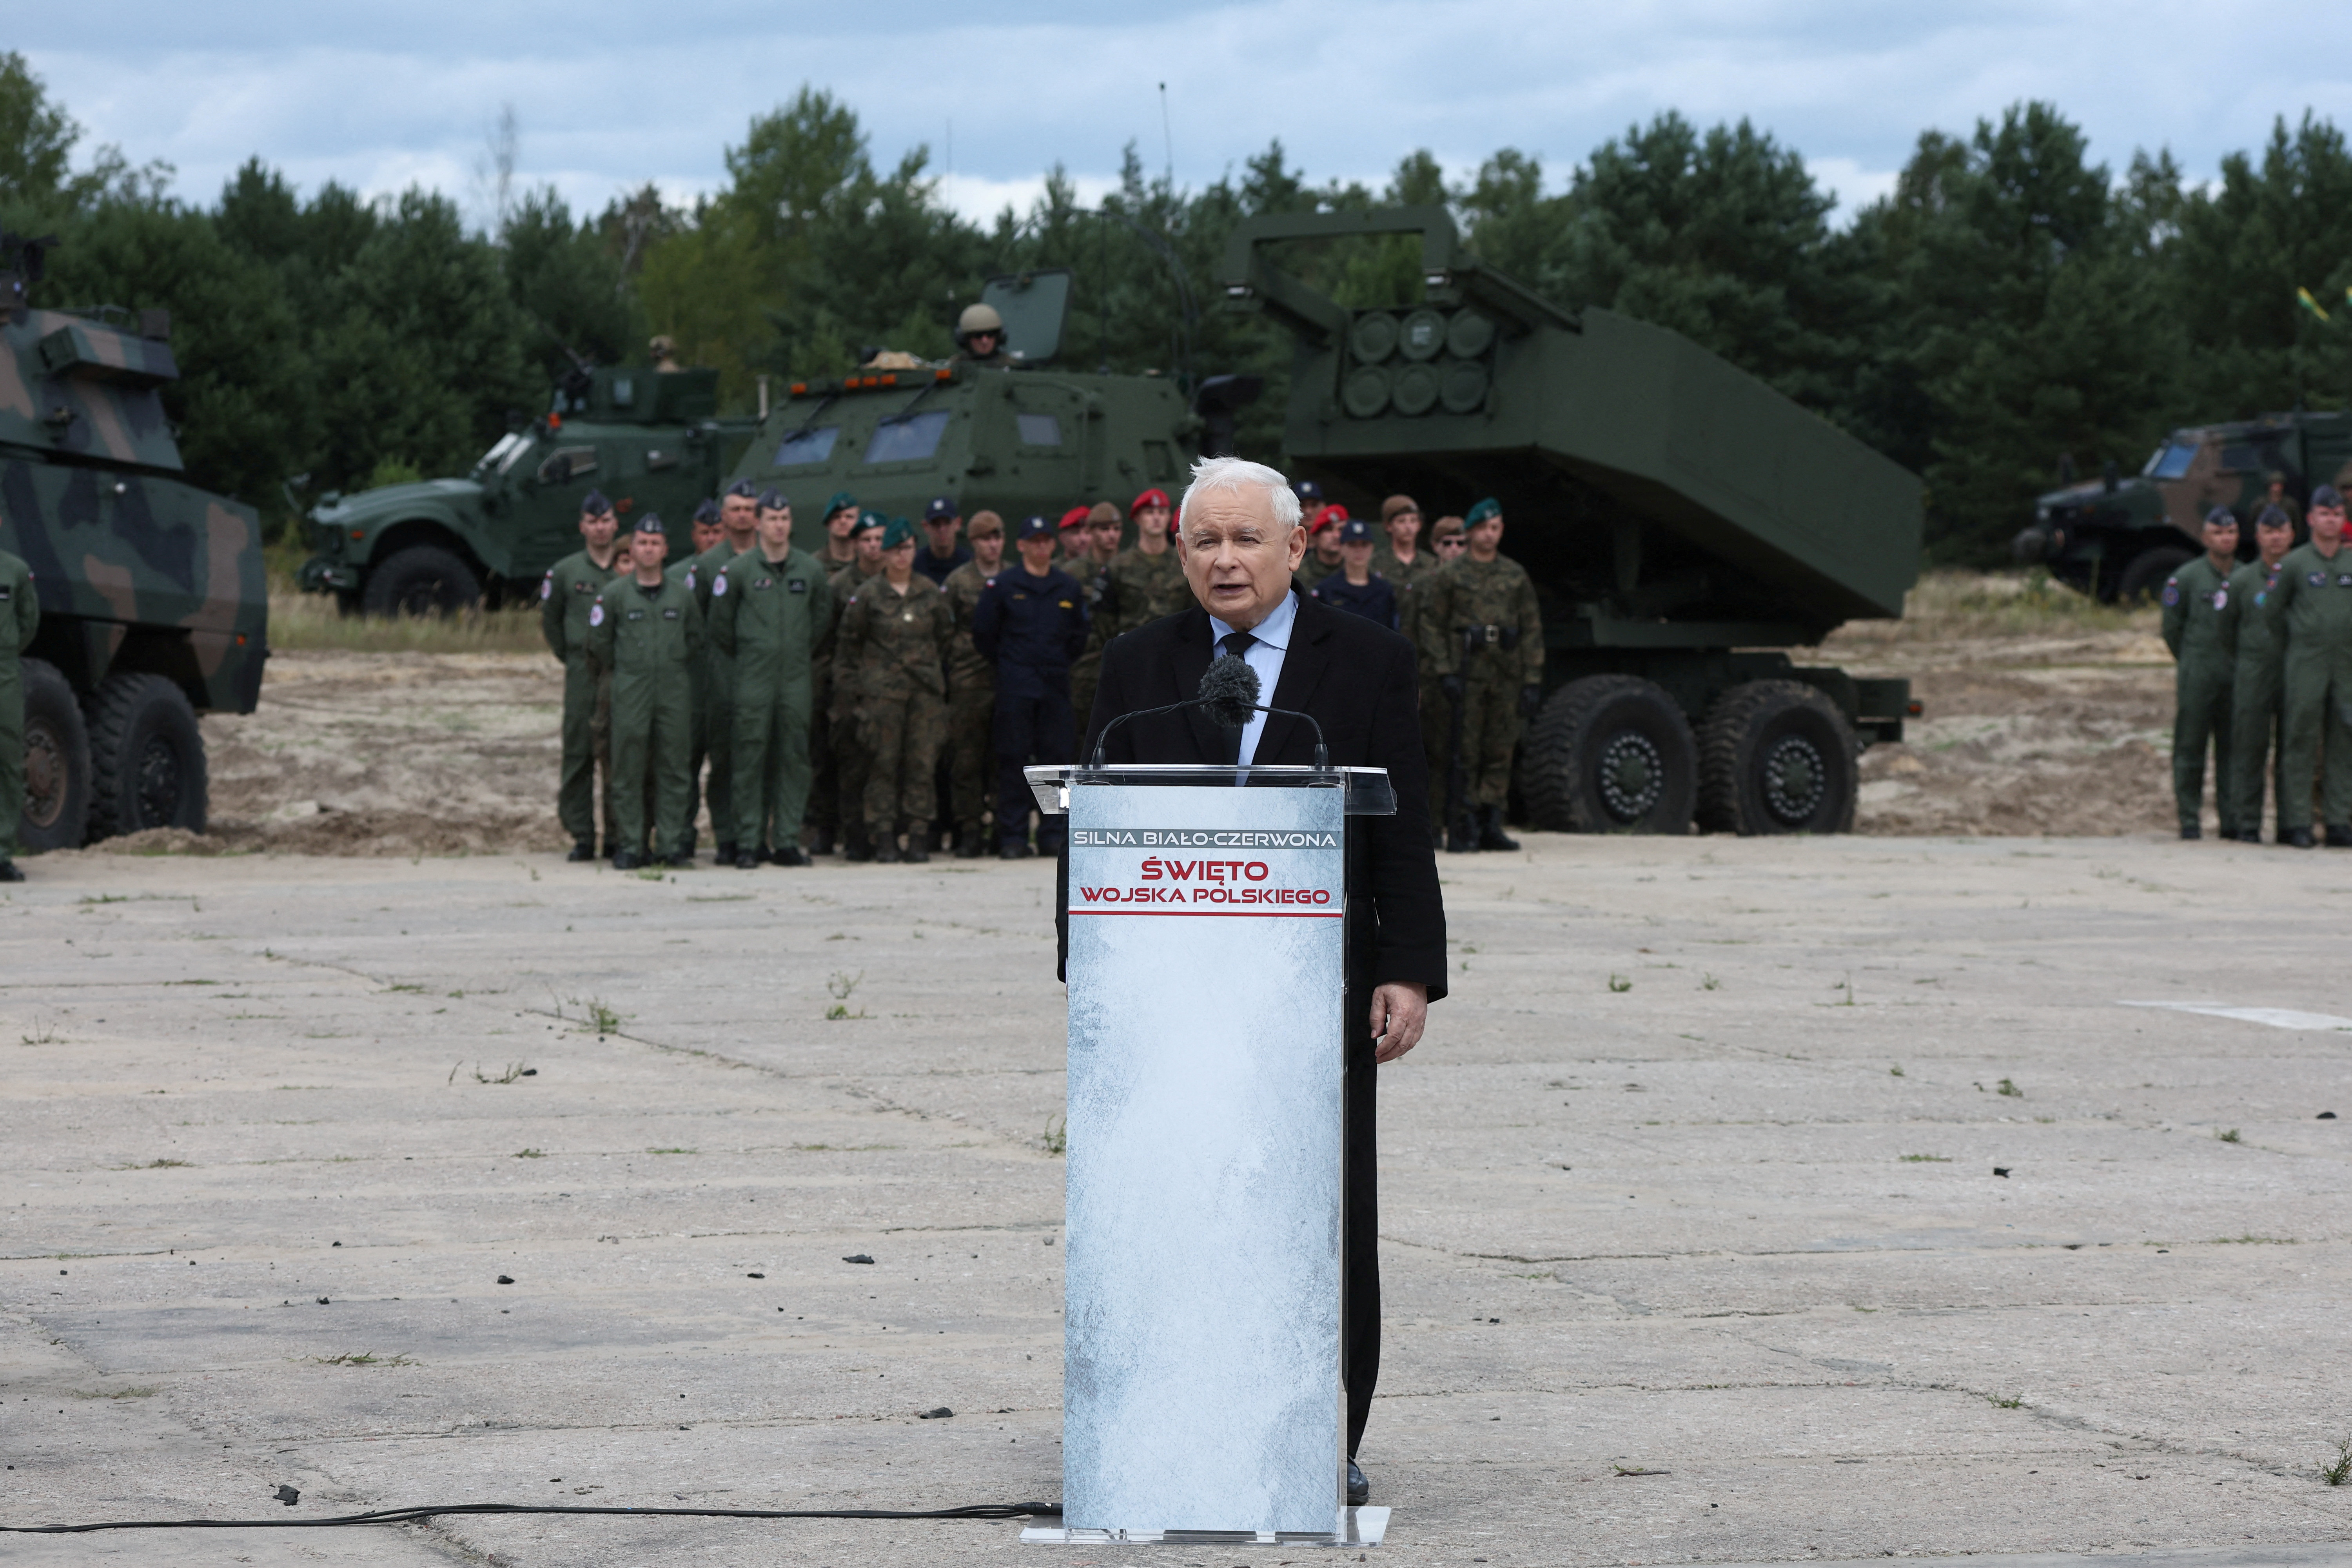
(1229, 691)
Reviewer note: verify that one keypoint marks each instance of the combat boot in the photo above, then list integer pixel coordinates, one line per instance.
(823, 845)
(970, 842)
(2192, 831)
(585, 849)
(8, 872)
(1461, 835)
(2297, 838)
(886, 846)
(1490, 830)
(626, 860)
(919, 846)
(746, 861)
(683, 858)
(2339, 836)
(855, 846)
(729, 850)
(788, 855)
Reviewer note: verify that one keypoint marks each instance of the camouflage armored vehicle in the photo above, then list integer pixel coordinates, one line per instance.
(2121, 538)
(1014, 438)
(154, 604)
(1684, 525)
(649, 439)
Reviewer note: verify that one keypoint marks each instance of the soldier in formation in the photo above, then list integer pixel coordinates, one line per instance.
(565, 596)
(2309, 605)
(20, 618)
(1097, 531)
(740, 510)
(769, 608)
(1031, 624)
(646, 629)
(2197, 599)
(2258, 675)
(1323, 547)
(891, 659)
(844, 804)
(1481, 639)
(942, 524)
(1356, 587)
(971, 690)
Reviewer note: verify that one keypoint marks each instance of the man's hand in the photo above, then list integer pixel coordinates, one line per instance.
(1399, 1013)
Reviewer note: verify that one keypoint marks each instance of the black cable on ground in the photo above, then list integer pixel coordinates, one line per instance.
(410, 1515)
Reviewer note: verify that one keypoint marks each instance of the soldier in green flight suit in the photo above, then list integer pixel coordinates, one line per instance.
(2256, 659)
(893, 651)
(2312, 602)
(2196, 598)
(971, 690)
(565, 595)
(714, 723)
(840, 522)
(1482, 638)
(769, 608)
(20, 618)
(647, 630)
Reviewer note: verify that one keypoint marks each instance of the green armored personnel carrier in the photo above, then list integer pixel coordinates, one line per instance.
(1016, 436)
(2118, 538)
(1686, 526)
(648, 439)
(154, 602)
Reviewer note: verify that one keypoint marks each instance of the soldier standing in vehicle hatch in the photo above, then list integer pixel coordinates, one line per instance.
(971, 689)
(647, 630)
(20, 618)
(565, 595)
(769, 609)
(2312, 603)
(1482, 638)
(892, 649)
(2196, 598)
(2257, 663)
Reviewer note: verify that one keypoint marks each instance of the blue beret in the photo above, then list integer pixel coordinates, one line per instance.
(2220, 516)
(649, 524)
(774, 500)
(1485, 508)
(744, 489)
(2274, 517)
(707, 512)
(594, 504)
(2327, 496)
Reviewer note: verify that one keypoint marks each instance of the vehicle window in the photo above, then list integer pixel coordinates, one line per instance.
(910, 439)
(2241, 460)
(567, 463)
(804, 447)
(1039, 430)
(2173, 460)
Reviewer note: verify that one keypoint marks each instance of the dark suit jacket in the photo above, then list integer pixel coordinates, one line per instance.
(1359, 681)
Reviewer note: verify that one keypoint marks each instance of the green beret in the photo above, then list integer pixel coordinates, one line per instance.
(840, 498)
(1485, 508)
(867, 520)
(899, 531)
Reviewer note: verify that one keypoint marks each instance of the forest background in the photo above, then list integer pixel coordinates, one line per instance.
(2010, 304)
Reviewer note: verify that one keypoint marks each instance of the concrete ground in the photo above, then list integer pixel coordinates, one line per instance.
(1748, 1202)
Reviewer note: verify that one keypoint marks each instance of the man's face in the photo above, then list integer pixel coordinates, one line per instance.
(869, 547)
(597, 530)
(988, 549)
(776, 529)
(2278, 489)
(943, 531)
(2326, 526)
(1151, 523)
(1037, 555)
(1448, 547)
(2220, 539)
(985, 344)
(1074, 542)
(1236, 557)
(1486, 538)
(707, 534)
(1403, 529)
(736, 514)
(648, 550)
(1327, 546)
(2273, 541)
(899, 559)
(839, 523)
(1103, 538)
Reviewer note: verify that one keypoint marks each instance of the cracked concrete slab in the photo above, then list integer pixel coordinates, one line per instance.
(1694, 1245)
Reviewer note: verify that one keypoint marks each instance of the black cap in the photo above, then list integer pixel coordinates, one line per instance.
(938, 509)
(649, 524)
(1310, 492)
(1035, 526)
(745, 488)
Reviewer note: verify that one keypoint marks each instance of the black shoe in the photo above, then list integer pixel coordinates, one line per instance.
(1461, 840)
(918, 848)
(1013, 849)
(8, 872)
(626, 860)
(746, 862)
(2338, 836)
(2190, 830)
(790, 855)
(583, 850)
(683, 858)
(970, 842)
(855, 846)
(2297, 838)
(729, 850)
(886, 850)
(1359, 1490)
(1490, 830)
(823, 845)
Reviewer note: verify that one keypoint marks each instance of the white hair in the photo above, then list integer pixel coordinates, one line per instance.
(1211, 475)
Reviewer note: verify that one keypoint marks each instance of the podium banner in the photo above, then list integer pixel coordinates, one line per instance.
(1206, 981)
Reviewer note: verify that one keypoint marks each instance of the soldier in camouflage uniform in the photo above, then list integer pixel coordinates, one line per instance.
(1446, 547)
(1482, 638)
(769, 608)
(20, 618)
(1091, 566)
(893, 648)
(565, 595)
(2257, 659)
(1143, 582)
(714, 721)
(848, 803)
(824, 781)
(2196, 598)
(1322, 556)
(1400, 557)
(647, 630)
(971, 690)
(2312, 603)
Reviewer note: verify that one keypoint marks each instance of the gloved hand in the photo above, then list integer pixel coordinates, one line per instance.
(1531, 700)
(1452, 685)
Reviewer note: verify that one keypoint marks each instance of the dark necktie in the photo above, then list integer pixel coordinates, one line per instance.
(1234, 644)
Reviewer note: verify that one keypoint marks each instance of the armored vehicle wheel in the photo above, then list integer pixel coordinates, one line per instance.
(147, 758)
(57, 762)
(2144, 578)
(422, 580)
(1776, 756)
(1609, 753)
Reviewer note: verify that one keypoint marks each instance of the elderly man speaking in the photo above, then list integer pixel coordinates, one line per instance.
(1239, 539)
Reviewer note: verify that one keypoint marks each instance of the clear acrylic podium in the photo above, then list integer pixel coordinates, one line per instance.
(1201, 1397)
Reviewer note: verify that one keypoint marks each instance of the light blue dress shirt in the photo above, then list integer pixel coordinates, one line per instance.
(1263, 656)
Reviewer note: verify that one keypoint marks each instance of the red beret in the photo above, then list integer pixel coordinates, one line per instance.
(1076, 517)
(1330, 517)
(1149, 498)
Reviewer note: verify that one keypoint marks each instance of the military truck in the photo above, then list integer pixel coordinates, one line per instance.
(1018, 437)
(649, 439)
(1685, 525)
(2120, 538)
(154, 602)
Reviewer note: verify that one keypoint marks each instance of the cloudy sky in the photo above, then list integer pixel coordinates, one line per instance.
(608, 95)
